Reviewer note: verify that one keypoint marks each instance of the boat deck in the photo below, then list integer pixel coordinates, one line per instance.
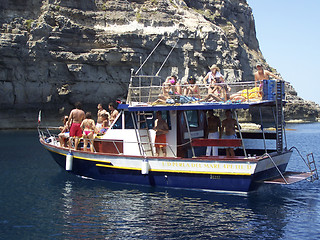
(289, 178)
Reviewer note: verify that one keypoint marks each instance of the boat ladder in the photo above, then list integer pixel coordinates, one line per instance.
(313, 168)
(279, 120)
(143, 134)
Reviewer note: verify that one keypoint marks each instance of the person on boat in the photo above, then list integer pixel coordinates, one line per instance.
(228, 127)
(113, 113)
(176, 86)
(75, 119)
(161, 128)
(261, 75)
(88, 127)
(253, 94)
(101, 111)
(215, 82)
(192, 89)
(105, 124)
(170, 88)
(64, 132)
(214, 132)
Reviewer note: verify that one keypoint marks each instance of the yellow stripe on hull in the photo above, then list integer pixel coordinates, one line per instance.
(174, 171)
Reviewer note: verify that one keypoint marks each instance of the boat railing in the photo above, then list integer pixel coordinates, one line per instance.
(162, 93)
(53, 139)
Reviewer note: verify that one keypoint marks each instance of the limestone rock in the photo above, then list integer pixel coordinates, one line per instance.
(54, 53)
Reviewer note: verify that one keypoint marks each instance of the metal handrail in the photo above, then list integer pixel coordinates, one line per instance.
(276, 167)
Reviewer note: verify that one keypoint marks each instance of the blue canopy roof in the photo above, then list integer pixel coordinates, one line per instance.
(192, 106)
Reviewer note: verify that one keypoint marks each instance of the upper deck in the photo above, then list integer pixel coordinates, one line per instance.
(150, 93)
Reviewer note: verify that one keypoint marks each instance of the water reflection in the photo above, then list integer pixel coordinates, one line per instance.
(121, 211)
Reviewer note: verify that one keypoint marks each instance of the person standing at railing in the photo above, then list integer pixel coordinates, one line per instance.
(229, 126)
(75, 119)
(113, 113)
(64, 132)
(161, 128)
(100, 118)
(214, 132)
(88, 127)
(262, 74)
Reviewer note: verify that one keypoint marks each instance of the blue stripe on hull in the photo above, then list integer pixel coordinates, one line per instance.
(237, 183)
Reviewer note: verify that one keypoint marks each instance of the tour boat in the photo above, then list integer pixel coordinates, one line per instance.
(126, 152)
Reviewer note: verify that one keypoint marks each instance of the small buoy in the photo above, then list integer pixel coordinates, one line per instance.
(69, 161)
(145, 166)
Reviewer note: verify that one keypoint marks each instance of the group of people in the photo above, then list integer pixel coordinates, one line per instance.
(217, 130)
(218, 89)
(80, 124)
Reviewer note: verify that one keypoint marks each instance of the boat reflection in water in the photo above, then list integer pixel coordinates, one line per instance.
(124, 211)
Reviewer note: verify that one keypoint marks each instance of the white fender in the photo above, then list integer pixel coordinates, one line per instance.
(145, 166)
(69, 161)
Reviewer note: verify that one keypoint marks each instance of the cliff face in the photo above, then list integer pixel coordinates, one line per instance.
(54, 53)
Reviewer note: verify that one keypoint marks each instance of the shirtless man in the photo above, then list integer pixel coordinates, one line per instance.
(262, 74)
(161, 128)
(100, 119)
(214, 132)
(229, 126)
(113, 113)
(75, 119)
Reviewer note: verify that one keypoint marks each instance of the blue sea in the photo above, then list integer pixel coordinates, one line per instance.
(38, 200)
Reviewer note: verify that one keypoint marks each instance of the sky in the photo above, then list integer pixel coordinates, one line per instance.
(288, 32)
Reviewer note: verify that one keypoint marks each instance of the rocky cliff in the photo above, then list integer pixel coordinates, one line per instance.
(54, 53)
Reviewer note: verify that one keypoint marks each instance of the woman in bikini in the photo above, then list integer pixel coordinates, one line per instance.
(192, 90)
(88, 127)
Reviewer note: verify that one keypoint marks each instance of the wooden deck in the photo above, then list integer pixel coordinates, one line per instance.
(290, 177)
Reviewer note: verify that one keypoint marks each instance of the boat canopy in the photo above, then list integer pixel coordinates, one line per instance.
(195, 106)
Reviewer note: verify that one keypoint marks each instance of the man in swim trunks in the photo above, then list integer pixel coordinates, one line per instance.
(161, 128)
(229, 126)
(75, 119)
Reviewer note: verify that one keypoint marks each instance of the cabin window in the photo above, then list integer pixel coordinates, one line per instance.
(151, 117)
(192, 117)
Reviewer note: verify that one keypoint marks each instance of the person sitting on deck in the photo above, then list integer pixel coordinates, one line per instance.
(64, 134)
(253, 94)
(216, 83)
(192, 90)
(170, 88)
(161, 128)
(176, 86)
(228, 127)
(88, 127)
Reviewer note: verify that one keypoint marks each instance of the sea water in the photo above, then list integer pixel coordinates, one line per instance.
(38, 200)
